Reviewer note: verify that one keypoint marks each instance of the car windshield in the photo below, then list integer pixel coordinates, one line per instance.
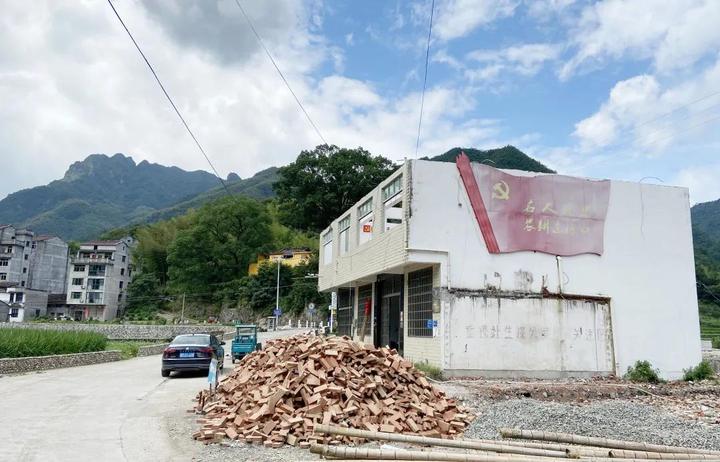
(245, 330)
(191, 340)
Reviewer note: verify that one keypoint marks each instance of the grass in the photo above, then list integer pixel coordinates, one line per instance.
(433, 372)
(20, 343)
(643, 371)
(128, 349)
(700, 372)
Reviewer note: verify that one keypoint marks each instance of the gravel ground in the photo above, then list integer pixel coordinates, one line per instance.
(610, 419)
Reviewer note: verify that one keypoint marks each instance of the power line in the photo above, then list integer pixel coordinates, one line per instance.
(172, 103)
(427, 60)
(277, 68)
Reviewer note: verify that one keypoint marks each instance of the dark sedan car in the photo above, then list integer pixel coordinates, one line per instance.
(192, 352)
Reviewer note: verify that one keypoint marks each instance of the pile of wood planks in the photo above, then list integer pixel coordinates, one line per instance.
(277, 395)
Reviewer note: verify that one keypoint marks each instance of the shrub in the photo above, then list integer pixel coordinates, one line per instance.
(643, 371)
(19, 343)
(700, 372)
(431, 371)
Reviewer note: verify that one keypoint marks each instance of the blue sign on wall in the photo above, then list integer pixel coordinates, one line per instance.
(431, 323)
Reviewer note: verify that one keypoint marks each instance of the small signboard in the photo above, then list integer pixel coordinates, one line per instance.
(430, 323)
(212, 373)
(277, 312)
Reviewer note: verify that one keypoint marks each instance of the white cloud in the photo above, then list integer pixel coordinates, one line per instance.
(671, 34)
(349, 39)
(643, 115)
(526, 59)
(457, 18)
(702, 180)
(546, 9)
(72, 84)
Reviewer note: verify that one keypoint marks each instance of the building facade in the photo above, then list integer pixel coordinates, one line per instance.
(23, 303)
(15, 250)
(48, 264)
(465, 272)
(98, 277)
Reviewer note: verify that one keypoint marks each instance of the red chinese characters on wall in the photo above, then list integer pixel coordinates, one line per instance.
(555, 214)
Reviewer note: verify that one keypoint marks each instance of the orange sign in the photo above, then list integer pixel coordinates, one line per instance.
(367, 228)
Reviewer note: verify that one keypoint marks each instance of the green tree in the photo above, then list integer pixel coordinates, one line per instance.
(259, 291)
(226, 236)
(324, 182)
(145, 295)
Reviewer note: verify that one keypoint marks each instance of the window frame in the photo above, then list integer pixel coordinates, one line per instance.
(327, 244)
(344, 235)
(392, 189)
(420, 302)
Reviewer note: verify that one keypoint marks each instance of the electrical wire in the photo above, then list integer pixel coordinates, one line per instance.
(422, 97)
(277, 68)
(170, 100)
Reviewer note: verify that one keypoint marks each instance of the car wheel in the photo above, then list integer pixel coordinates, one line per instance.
(165, 373)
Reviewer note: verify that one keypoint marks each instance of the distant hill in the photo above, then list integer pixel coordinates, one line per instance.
(506, 157)
(101, 192)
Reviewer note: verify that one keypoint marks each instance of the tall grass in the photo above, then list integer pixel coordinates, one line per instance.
(19, 343)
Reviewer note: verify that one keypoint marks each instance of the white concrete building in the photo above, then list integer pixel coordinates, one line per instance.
(23, 304)
(412, 269)
(98, 277)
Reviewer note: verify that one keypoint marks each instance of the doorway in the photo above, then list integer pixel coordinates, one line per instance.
(389, 318)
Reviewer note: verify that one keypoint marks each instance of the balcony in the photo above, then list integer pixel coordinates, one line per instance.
(92, 261)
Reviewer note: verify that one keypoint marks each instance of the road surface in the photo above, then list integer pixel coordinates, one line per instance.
(120, 411)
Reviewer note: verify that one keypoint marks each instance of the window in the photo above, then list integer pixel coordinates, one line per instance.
(26, 256)
(121, 284)
(17, 297)
(364, 312)
(95, 284)
(78, 281)
(75, 295)
(392, 189)
(79, 268)
(365, 221)
(27, 243)
(3, 276)
(14, 312)
(24, 270)
(393, 203)
(33, 245)
(22, 283)
(420, 301)
(8, 249)
(327, 247)
(37, 313)
(94, 297)
(122, 271)
(4, 262)
(344, 234)
(123, 258)
(96, 270)
(345, 311)
(120, 296)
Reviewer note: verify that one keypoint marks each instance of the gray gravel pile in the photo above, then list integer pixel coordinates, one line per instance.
(608, 419)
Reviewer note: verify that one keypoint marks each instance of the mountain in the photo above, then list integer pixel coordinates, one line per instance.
(506, 157)
(101, 192)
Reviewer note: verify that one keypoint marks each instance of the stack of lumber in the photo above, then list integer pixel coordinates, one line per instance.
(278, 395)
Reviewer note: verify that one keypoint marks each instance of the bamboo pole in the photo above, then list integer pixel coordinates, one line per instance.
(339, 452)
(589, 451)
(414, 439)
(602, 442)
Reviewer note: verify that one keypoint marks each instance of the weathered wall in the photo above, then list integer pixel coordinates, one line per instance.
(150, 350)
(647, 268)
(39, 363)
(495, 335)
(127, 331)
(48, 265)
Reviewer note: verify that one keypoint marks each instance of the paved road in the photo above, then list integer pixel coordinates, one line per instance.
(121, 411)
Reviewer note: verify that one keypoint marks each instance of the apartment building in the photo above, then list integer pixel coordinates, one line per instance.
(481, 271)
(98, 277)
(31, 268)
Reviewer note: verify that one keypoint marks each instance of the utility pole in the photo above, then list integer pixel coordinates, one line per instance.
(182, 311)
(277, 296)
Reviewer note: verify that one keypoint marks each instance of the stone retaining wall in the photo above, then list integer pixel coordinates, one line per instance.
(150, 350)
(39, 363)
(126, 331)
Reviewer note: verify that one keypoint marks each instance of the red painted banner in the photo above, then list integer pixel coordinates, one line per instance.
(554, 214)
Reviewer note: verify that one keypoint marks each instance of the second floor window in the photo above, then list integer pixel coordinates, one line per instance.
(327, 247)
(344, 235)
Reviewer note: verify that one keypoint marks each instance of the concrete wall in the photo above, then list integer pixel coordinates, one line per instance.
(48, 265)
(647, 269)
(538, 337)
(127, 331)
(39, 363)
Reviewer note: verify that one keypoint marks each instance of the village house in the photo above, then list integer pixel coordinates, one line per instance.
(481, 271)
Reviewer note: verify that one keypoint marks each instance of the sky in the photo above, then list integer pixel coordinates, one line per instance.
(620, 89)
